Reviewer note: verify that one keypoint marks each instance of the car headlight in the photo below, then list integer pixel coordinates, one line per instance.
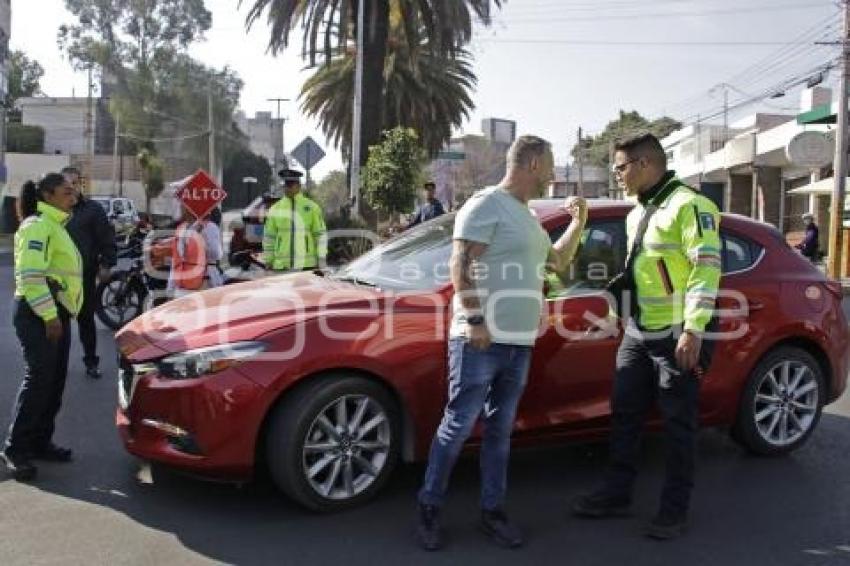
(205, 361)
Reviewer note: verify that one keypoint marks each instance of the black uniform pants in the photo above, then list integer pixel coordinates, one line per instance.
(40, 395)
(647, 374)
(85, 319)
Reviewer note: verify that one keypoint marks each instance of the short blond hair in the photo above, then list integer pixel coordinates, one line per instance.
(526, 148)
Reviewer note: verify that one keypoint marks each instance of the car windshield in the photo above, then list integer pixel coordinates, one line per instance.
(417, 260)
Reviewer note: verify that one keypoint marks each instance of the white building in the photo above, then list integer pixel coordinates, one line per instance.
(755, 167)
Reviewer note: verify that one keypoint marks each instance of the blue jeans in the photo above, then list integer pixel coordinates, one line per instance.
(482, 383)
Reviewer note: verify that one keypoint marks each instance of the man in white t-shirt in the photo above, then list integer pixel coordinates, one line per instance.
(498, 261)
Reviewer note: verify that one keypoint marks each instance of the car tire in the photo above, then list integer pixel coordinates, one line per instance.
(319, 462)
(776, 416)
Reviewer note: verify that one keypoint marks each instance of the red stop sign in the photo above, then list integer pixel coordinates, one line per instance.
(201, 194)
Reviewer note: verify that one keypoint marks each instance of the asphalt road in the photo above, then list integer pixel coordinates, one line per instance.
(106, 508)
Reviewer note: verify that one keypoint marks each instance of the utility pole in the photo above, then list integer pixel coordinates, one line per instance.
(612, 189)
(212, 163)
(580, 159)
(277, 136)
(357, 126)
(115, 156)
(836, 215)
(89, 136)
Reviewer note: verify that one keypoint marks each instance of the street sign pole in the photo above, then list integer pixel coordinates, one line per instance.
(840, 162)
(358, 114)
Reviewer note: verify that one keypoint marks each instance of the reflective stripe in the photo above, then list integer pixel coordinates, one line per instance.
(657, 246)
(672, 299)
(709, 262)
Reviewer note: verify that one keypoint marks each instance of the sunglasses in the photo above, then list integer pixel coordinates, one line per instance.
(622, 166)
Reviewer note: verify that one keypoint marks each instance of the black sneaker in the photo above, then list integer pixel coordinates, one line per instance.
(599, 505)
(93, 372)
(428, 531)
(496, 525)
(19, 466)
(54, 453)
(666, 526)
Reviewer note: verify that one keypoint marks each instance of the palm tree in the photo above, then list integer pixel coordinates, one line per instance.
(330, 25)
(422, 90)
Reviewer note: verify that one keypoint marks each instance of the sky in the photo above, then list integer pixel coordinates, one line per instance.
(551, 65)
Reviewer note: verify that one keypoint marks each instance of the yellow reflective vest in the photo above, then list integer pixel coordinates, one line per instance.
(677, 271)
(48, 266)
(294, 236)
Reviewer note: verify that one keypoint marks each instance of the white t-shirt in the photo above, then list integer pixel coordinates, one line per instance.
(509, 275)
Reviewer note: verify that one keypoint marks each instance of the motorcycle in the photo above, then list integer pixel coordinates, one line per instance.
(129, 292)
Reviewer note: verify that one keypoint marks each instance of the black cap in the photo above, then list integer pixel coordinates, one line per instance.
(290, 175)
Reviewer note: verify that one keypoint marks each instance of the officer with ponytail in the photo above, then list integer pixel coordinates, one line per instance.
(48, 292)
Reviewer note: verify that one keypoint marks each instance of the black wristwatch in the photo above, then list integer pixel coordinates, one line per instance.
(475, 320)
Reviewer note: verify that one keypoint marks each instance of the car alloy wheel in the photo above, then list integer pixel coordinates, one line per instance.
(786, 403)
(346, 447)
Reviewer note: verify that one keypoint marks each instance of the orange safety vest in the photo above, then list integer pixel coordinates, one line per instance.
(189, 256)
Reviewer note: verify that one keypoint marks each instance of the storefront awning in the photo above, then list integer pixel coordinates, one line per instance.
(821, 188)
(822, 114)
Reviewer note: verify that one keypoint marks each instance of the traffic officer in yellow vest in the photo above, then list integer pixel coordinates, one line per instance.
(294, 236)
(48, 291)
(673, 270)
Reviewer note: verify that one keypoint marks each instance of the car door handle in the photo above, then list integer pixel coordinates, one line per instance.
(755, 305)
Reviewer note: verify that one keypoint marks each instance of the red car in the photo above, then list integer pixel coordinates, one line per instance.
(328, 381)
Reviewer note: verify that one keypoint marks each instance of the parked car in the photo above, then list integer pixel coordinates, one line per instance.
(329, 381)
(121, 212)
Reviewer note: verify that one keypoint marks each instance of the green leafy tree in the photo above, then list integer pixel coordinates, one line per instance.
(424, 91)
(153, 175)
(21, 138)
(394, 171)
(595, 149)
(159, 90)
(242, 163)
(329, 27)
(24, 81)
(332, 192)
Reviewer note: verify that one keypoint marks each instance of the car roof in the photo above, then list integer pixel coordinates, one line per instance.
(552, 208)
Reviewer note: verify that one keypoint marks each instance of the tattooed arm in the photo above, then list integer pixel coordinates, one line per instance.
(462, 265)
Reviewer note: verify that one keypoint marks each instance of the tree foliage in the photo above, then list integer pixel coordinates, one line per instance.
(426, 92)
(240, 164)
(332, 192)
(24, 139)
(596, 149)
(160, 92)
(394, 171)
(328, 28)
(153, 175)
(138, 34)
(24, 81)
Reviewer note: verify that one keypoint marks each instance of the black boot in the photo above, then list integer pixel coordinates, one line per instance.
(500, 529)
(93, 372)
(54, 453)
(601, 505)
(428, 531)
(21, 468)
(666, 526)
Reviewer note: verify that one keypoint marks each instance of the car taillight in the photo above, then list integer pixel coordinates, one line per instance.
(834, 287)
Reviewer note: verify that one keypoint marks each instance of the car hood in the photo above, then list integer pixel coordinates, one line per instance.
(239, 312)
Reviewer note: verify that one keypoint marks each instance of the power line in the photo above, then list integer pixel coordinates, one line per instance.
(657, 15)
(616, 43)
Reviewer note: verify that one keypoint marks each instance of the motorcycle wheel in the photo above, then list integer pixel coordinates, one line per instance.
(120, 300)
